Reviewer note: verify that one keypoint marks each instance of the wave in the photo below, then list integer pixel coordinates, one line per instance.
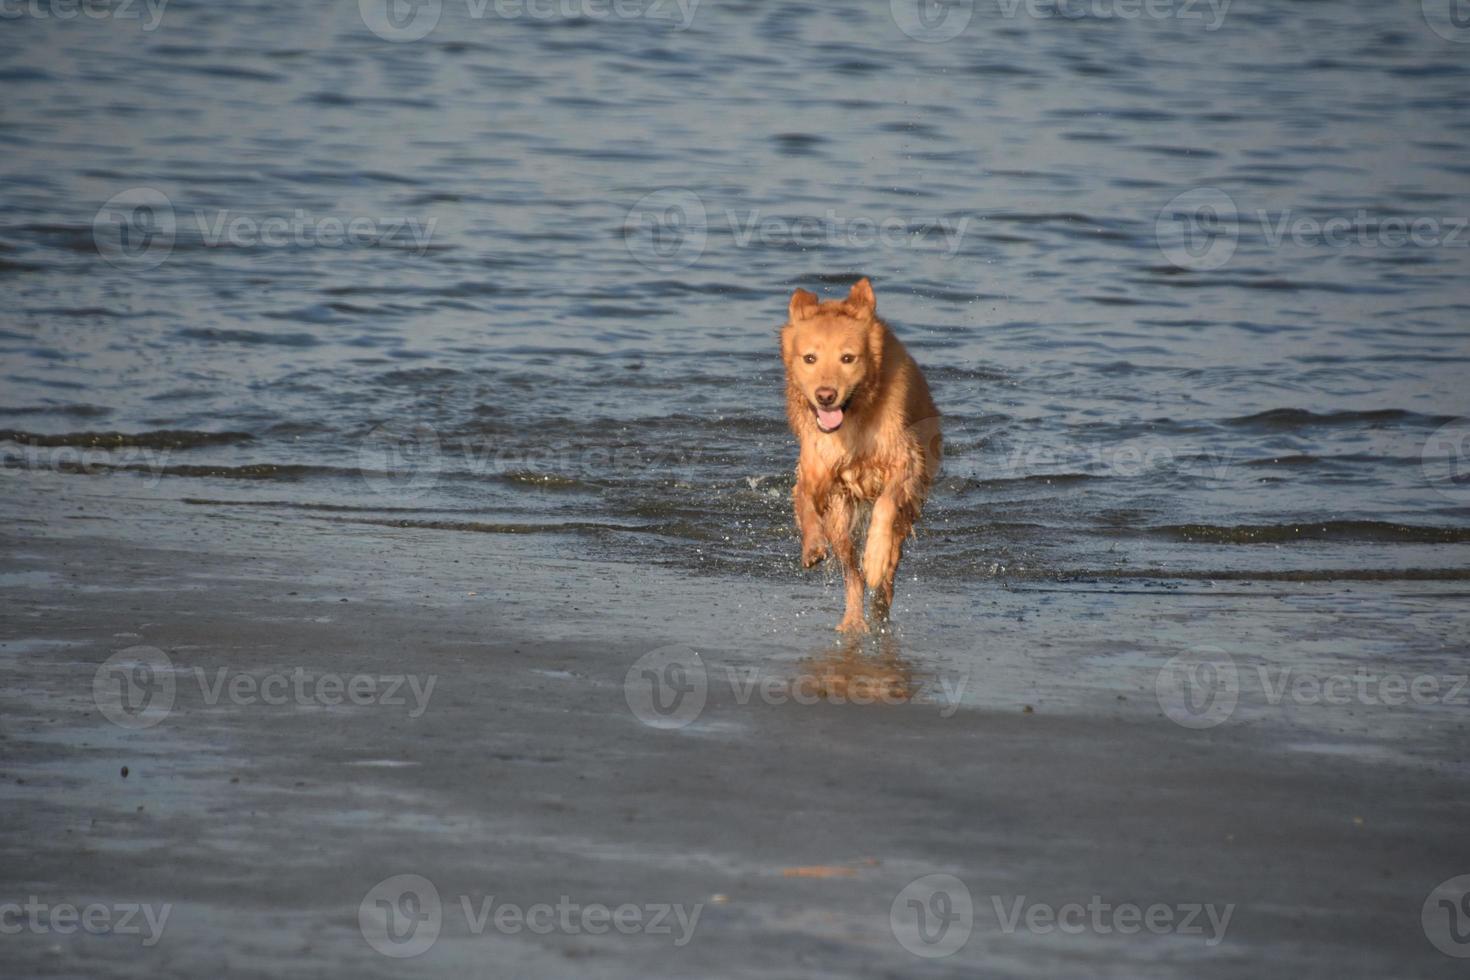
(155, 439)
(254, 337)
(1279, 419)
(253, 471)
(501, 527)
(80, 411)
(1375, 532)
(309, 505)
(1266, 575)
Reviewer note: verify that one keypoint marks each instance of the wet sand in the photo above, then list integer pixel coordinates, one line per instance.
(789, 822)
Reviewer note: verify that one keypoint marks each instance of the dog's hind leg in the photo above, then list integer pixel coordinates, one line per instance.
(892, 522)
(879, 546)
(894, 514)
(883, 551)
(838, 523)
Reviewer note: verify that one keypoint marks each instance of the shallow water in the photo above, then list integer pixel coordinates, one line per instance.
(574, 238)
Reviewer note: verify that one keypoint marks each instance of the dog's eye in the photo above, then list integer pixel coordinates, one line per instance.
(848, 358)
(810, 358)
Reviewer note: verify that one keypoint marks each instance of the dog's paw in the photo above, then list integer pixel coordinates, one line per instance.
(853, 624)
(812, 553)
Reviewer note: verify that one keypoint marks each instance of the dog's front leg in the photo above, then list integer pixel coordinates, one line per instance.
(838, 523)
(809, 522)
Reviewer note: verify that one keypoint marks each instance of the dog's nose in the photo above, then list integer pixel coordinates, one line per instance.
(826, 395)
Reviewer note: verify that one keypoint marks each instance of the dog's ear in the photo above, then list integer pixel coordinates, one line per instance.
(802, 303)
(861, 299)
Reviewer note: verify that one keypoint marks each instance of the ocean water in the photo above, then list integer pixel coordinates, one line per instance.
(1189, 281)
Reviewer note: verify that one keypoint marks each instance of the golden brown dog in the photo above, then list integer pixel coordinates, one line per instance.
(869, 432)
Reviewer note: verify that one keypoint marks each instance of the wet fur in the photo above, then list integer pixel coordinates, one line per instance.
(886, 450)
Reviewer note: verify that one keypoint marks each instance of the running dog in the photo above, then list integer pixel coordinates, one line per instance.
(869, 434)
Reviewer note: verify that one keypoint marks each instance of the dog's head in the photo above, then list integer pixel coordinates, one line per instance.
(832, 350)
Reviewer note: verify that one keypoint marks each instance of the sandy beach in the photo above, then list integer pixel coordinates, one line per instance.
(513, 765)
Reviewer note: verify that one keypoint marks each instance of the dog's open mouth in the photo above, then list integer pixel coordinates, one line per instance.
(830, 419)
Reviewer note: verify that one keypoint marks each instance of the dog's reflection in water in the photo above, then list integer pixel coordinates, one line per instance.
(860, 669)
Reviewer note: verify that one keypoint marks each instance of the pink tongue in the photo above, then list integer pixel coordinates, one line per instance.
(829, 418)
